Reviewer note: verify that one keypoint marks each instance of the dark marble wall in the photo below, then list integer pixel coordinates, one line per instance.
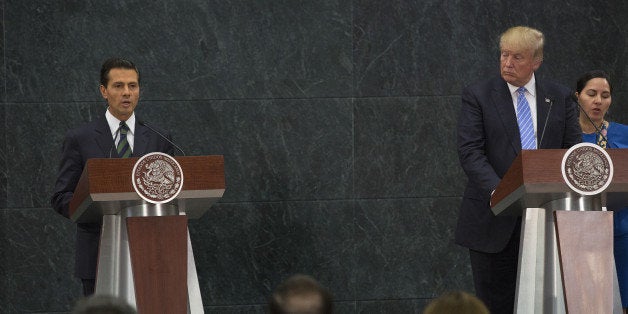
(336, 120)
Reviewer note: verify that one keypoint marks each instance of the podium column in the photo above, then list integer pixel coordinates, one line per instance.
(552, 268)
(145, 257)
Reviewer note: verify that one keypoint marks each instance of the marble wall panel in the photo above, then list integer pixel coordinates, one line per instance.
(3, 90)
(386, 251)
(618, 112)
(586, 36)
(3, 147)
(244, 250)
(406, 147)
(236, 309)
(38, 261)
(282, 149)
(391, 306)
(4, 155)
(191, 49)
(34, 137)
(404, 48)
(432, 47)
(5, 303)
(405, 249)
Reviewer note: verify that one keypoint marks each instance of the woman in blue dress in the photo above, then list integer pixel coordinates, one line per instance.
(593, 91)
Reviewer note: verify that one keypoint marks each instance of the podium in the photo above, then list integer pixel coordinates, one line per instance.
(145, 254)
(566, 262)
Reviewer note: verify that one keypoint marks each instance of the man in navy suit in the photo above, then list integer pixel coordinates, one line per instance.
(120, 87)
(488, 142)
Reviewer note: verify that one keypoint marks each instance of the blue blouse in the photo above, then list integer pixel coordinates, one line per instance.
(616, 134)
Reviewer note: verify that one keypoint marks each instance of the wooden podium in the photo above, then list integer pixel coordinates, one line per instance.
(145, 253)
(566, 262)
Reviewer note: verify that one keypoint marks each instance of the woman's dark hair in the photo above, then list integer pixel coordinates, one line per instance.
(582, 81)
(116, 63)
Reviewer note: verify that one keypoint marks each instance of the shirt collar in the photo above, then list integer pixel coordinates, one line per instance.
(530, 86)
(114, 123)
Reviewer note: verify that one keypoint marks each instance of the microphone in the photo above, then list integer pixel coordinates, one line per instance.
(162, 136)
(597, 130)
(551, 103)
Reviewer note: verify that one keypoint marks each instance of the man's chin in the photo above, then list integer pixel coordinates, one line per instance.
(510, 79)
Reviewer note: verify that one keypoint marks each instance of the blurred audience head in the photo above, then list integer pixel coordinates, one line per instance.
(456, 302)
(300, 294)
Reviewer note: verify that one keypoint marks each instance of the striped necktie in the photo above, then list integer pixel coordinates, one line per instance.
(524, 119)
(124, 150)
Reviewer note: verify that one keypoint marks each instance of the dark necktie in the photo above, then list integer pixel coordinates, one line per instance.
(124, 150)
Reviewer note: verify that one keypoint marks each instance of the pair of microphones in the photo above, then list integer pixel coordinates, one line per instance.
(142, 123)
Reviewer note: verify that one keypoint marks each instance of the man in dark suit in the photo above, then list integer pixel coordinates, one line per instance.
(120, 87)
(489, 139)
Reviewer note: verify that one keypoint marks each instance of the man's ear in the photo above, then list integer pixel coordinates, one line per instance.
(537, 64)
(103, 91)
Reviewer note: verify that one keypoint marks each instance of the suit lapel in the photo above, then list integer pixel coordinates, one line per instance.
(103, 138)
(502, 100)
(140, 141)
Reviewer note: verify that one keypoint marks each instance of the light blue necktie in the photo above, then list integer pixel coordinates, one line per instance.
(524, 119)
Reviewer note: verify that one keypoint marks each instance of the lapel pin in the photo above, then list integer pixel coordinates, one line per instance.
(547, 100)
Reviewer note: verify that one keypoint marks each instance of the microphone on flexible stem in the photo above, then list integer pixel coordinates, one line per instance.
(597, 130)
(164, 137)
(551, 103)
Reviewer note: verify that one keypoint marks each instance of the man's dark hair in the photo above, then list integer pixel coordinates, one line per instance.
(115, 63)
(300, 286)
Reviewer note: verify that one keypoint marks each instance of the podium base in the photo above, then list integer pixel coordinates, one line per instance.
(115, 273)
(540, 286)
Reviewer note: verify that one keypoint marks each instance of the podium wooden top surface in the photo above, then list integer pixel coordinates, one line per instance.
(535, 178)
(105, 187)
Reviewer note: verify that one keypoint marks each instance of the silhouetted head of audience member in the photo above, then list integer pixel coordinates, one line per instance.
(103, 304)
(456, 302)
(300, 294)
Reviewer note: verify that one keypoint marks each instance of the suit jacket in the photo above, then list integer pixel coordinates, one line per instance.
(94, 140)
(488, 143)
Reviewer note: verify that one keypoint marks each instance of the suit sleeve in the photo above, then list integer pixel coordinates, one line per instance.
(70, 169)
(472, 143)
(573, 132)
